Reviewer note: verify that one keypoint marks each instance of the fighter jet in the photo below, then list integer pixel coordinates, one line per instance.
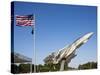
(69, 52)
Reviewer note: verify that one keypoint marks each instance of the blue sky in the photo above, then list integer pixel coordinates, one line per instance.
(56, 26)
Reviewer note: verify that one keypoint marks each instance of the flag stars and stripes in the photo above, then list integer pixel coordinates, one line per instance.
(27, 20)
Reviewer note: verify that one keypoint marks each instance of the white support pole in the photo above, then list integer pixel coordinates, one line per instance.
(62, 65)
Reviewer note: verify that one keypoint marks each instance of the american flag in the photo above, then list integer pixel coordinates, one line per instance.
(26, 20)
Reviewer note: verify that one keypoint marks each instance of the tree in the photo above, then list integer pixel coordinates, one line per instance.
(14, 68)
(89, 65)
(24, 68)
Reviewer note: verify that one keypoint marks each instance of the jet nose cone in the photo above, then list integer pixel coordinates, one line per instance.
(89, 34)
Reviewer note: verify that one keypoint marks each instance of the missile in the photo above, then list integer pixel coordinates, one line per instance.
(65, 52)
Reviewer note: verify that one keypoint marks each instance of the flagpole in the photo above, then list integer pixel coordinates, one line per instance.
(34, 45)
(33, 33)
